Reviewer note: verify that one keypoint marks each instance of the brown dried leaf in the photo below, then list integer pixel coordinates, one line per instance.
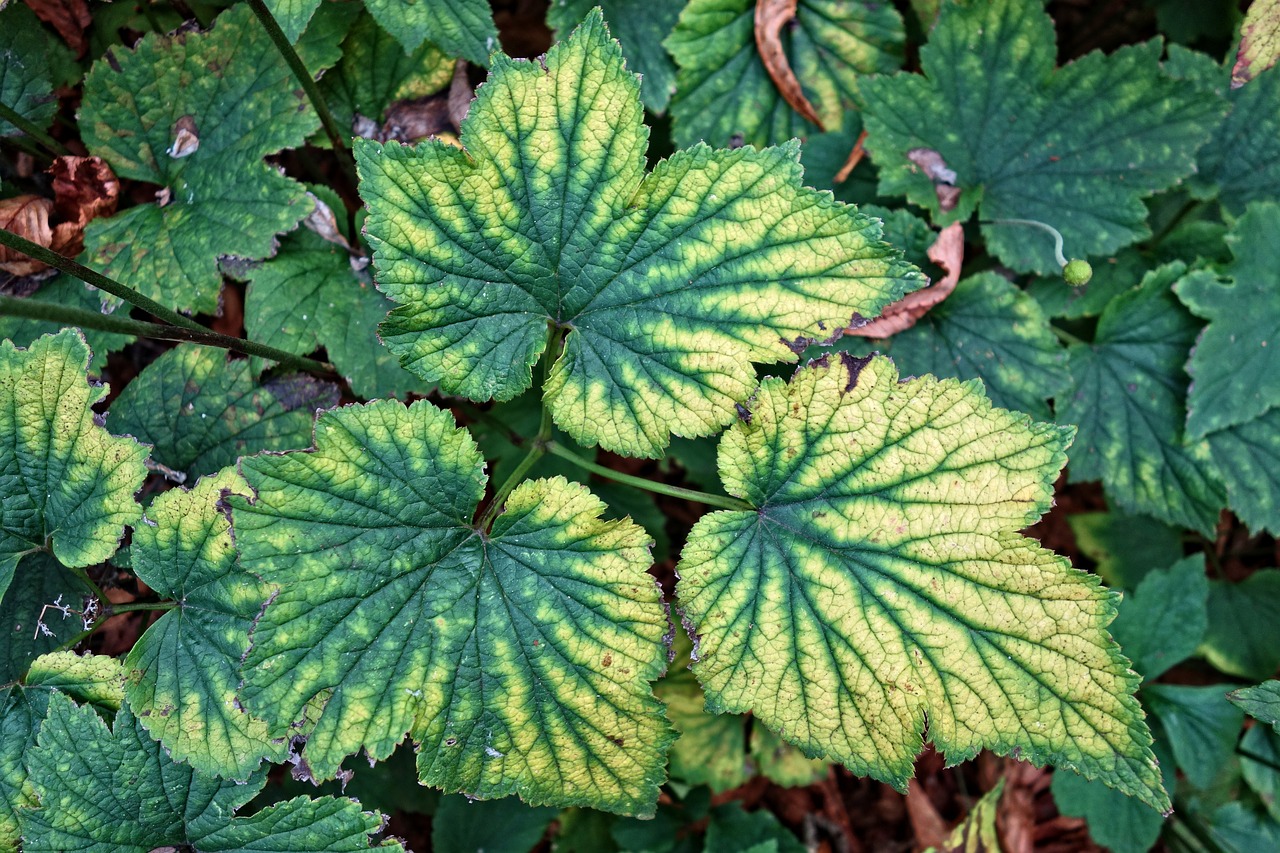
(943, 177)
(852, 161)
(27, 216)
(927, 825)
(947, 252)
(416, 118)
(322, 221)
(461, 94)
(771, 17)
(1259, 42)
(84, 189)
(69, 17)
(186, 138)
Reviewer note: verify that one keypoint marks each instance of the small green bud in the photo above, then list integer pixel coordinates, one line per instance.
(1077, 272)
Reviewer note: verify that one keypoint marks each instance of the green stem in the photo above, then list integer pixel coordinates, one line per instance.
(94, 589)
(35, 310)
(721, 501)
(117, 609)
(16, 119)
(1043, 226)
(272, 26)
(97, 279)
(1066, 337)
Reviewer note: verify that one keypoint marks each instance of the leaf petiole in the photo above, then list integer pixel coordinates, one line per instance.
(721, 501)
(19, 121)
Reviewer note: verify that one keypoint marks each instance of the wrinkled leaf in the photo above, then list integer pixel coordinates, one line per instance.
(103, 789)
(292, 15)
(1261, 702)
(724, 95)
(66, 485)
(1128, 398)
(1077, 147)
(222, 198)
(201, 411)
(881, 579)
(520, 659)
(184, 671)
(669, 285)
(462, 28)
(1163, 621)
(309, 297)
(1235, 367)
(640, 27)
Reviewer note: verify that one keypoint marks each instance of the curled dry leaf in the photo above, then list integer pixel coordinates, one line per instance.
(947, 252)
(854, 158)
(69, 17)
(186, 138)
(1259, 42)
(84, 189)
(322, 221)
(943, 177)
(771, 17)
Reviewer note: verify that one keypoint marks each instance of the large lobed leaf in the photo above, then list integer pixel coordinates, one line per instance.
(232, 89)
(519, 659)
(1077, 147)
(880, 581)
(66, 485)
(668, 285)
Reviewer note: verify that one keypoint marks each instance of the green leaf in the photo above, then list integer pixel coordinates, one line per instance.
(1244, 625)
(487, 826)
(783, 763)
(66, 485)
(1235, 366)
(1162, 623)
(244, 104)
(1241, 162)
(1077, 147)
(462, 28)
(1261, 702)
(1125, 547)
(201, 411)
(104, 789)
(66, 291)
(41, 586)
(1248, 457)
(1119, 823)
(309, 297)
(988, 329)
(375, 71)
(1202, 726)
(292, 15)
(640, 27)
(977, 832)
(725, 96)
(1238, 827)
(32, 62)
(881, 579)
(1111, 277)
(97, 679)
(730, 829)
(1259, 758)
(669, 285)
(184, 671)
(1128, 399)
(519, 660)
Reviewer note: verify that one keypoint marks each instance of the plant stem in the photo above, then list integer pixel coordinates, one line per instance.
(117, 609)
(721, 501)
(97, 279)
(34, 310)
(14, 118)
(272, 26)
(1043, 226)
(1066, 337)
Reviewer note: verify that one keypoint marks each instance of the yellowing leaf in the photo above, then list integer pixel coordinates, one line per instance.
(880, 583)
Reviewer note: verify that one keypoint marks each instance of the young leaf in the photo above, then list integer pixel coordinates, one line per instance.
(95, 679)
(1235, 368)
(458, 27)
(1077, 148)
(201, 411)
(196, 113)
(1128, 399)
(881, 580)
(184, 671)
(669, 285)
(308, 297)
(1162, 623)
(520, 659)
(106, 789)
(640, 27)
(66, 485)
(990, 330)
(1261, 702)
(724, 94)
